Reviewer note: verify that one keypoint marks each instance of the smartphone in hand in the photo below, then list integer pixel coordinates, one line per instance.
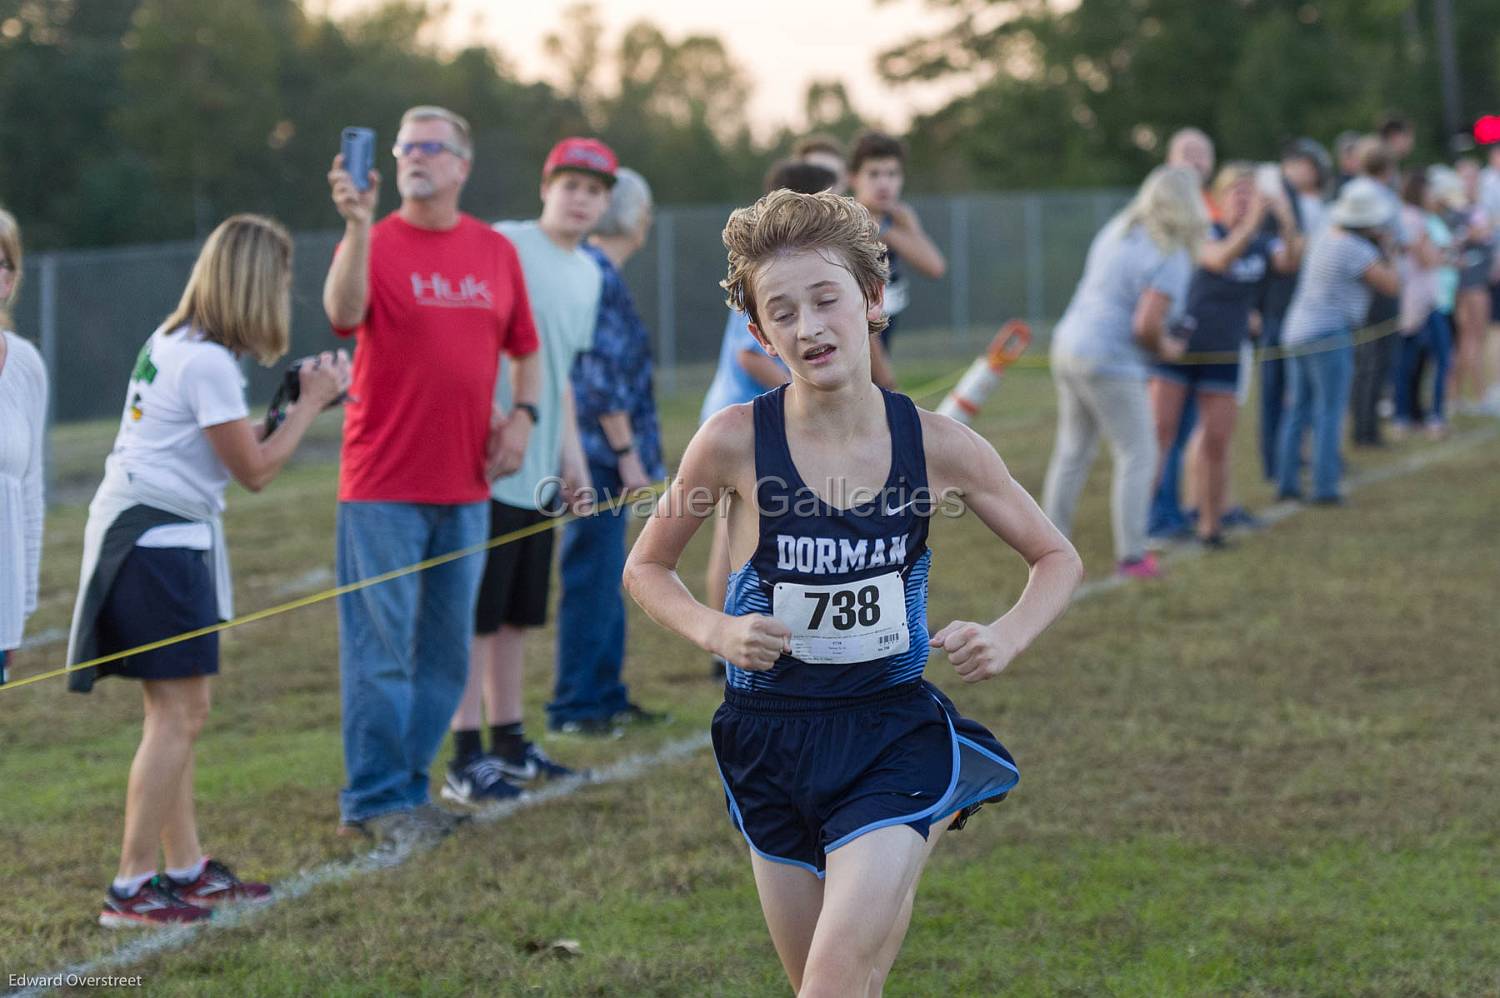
(358, 148)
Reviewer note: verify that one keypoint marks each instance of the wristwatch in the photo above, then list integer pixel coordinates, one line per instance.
(529, 409)
(622, 451)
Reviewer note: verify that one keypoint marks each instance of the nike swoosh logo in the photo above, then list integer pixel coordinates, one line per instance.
(893, 512)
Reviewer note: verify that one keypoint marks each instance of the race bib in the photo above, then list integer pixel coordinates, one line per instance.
(850, 622)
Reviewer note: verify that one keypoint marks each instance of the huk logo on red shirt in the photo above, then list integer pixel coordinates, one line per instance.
(438, 290)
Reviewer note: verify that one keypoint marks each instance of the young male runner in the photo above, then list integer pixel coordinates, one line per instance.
(839, 762)
(563, 284)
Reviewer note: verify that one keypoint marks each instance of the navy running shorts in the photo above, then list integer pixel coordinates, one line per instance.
(159, 593)
(803, 776)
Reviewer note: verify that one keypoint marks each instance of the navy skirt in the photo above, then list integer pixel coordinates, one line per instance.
(160, 593)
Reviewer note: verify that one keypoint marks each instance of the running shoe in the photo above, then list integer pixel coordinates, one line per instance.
(602, 728)
(154, 904)
(1213, 542)
(217, 884)
(718, 669)
(1239, 516)
(479, 781)
(533, 764)
(637, 716)
(1145, 567)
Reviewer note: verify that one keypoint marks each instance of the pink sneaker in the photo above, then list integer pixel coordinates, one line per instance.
(1139, 568)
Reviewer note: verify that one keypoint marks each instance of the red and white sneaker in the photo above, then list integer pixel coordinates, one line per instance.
(217, 885)
(154, 904)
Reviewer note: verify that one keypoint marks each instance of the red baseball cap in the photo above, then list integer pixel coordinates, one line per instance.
(586, 155)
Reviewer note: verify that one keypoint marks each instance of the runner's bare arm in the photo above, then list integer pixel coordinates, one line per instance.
(714, 462)
(960, 460)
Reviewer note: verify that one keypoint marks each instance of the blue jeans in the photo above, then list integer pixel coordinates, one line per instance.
(1166, 505)
(403, 644)
(591, 613)
(1434, 339)
(1319, 376)
(1272, 394)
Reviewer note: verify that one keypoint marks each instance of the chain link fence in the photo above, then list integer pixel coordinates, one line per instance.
(1009, 255)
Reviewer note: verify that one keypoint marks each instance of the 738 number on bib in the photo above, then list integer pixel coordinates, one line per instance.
(846, 614)
(840, 624)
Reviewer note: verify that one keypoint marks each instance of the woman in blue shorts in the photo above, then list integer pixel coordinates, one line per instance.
(840, 764)
(1232, 266)
(154, 559)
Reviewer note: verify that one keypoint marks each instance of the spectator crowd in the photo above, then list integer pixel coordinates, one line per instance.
(1361, 287)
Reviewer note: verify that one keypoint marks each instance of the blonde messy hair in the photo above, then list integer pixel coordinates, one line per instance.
(787, 222)
(10, 250)
(1169, 206)
(240, 291)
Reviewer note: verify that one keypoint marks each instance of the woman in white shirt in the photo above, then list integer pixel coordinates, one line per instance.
(23, 421)
(155, 564)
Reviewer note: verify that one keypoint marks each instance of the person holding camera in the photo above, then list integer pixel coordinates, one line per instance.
(433, 297)
(155, 564)
(1349, 262)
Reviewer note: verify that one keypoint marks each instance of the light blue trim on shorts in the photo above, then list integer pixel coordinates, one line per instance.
(927, 812)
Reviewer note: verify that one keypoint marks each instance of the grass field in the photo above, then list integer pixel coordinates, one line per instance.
(1275, 773)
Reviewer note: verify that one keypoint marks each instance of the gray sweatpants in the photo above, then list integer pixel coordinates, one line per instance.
(1089, 404)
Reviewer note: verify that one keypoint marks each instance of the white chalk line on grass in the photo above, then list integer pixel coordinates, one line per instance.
(153, 942)
(166, 940)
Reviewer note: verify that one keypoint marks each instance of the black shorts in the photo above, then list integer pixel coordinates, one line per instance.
(1222, 379)
(160, 593)
(517, 575)
(803, 777)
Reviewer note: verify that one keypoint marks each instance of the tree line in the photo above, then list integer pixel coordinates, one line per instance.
(127, 121)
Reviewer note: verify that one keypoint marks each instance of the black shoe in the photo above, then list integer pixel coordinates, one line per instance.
(603, 728)
(1213, 542)
(1327, 500)
(479, 781)
(637, 716)
(534, 764)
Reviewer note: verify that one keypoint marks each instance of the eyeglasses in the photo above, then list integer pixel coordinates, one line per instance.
(430, 148)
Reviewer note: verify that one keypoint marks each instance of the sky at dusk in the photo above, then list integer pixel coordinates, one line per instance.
(782, 44)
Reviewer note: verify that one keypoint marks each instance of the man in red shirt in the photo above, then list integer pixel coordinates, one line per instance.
(432, 297)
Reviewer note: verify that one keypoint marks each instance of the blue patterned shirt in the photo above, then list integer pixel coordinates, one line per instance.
(615, 376)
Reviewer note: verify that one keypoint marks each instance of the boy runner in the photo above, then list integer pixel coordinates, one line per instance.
(839, 761)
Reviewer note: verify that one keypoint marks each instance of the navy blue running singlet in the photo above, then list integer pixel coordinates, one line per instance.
(851, 583)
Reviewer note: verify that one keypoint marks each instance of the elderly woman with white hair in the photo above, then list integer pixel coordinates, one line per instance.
(23, 419)
(616, 410)
(1134, 285)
